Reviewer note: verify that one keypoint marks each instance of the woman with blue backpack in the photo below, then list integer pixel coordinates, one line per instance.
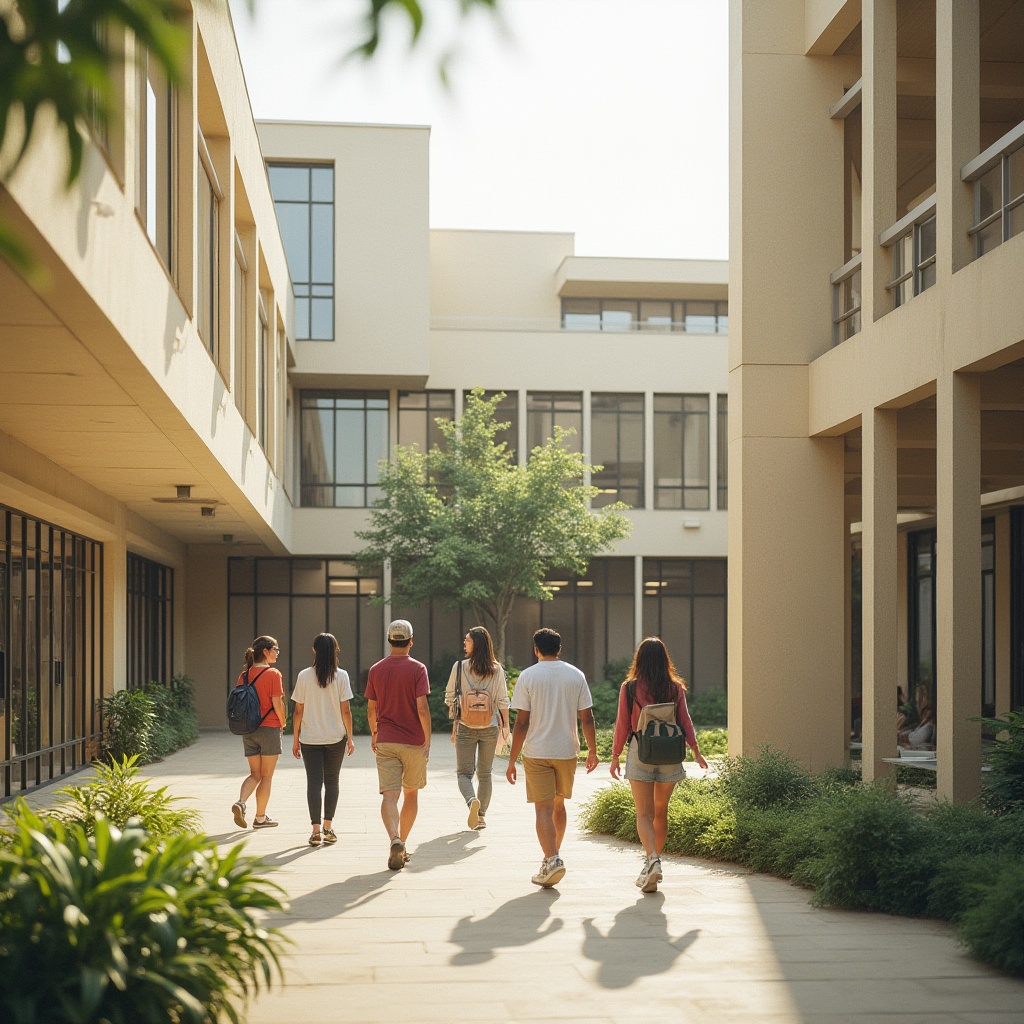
(653, 719)
(262, 744)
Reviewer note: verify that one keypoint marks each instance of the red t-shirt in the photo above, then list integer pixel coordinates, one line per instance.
(269, 684)
(395, 683)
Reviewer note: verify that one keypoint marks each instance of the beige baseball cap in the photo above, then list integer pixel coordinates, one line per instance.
(400, 629)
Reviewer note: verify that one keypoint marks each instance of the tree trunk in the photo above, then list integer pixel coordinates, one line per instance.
(501, 625)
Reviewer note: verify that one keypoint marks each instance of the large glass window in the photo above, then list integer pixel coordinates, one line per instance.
(304, 199)
(681, 452)
(155, 177)
(506, 412)
(241, 325)
(921, 613)
(293, 599)
(617, 444)
(51, 651)
(262, 383)
(208, 255)
(344, 438)
(988, 617)
(723, 451)
(418, 413)
(684, 602)
(694, 316)
(150, 622)
(546, 410)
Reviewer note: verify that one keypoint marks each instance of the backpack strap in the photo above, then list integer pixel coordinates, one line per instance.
(252, 682)
(630, 694)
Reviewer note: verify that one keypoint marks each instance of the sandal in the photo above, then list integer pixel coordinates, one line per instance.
(314, 839)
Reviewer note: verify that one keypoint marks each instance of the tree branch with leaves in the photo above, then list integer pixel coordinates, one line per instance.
(463, 524)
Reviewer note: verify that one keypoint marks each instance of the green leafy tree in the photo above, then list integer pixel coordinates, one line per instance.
(463, 524)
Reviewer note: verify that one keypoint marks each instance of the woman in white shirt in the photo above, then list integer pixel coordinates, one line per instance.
(322, 724)
(475, 743)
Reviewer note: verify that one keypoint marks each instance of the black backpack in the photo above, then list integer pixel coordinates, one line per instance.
(244, 706)
(660, 742)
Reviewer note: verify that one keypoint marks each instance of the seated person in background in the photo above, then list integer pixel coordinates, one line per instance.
(922, 734)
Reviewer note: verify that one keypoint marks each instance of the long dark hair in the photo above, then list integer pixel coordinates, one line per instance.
(325, 658)
(653, 664)
(482, 662)
(259, 648)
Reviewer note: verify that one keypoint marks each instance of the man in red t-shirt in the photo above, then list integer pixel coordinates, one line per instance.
(396, 695)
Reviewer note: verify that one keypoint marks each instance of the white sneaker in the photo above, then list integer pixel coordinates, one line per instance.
(552, 871)
(642, 877)
(474, 813)
(653, 876)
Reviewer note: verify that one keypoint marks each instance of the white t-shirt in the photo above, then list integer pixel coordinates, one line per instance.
(321, 706)
(553, 692)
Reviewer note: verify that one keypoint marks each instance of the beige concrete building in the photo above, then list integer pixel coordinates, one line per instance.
(876, 534)
(235, 323)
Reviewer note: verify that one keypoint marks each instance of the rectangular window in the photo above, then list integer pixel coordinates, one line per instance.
(155, 171)
(921, 614)
(262, 384)
(506, 412)
(304, 200)
(988, 617)
(344, 439)
(617, 444)
(546, 410)
(723, 451)
(690, 315)
(681, 452)
(241, 324)
(150, 622)
(685, 602)
(208, 250)
(418, 413)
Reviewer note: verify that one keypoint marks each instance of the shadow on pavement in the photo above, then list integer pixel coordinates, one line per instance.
(637, 944)
(515, 923)
(337, 898)
(443, 850)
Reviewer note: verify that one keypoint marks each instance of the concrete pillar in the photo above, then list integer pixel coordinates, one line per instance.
(649, 451)
(958, 585)
(638, 600)
(957, 128)
(878, 207)
(878, 601)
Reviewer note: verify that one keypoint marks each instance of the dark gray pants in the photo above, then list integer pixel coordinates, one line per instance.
(322, 762)
(474, 753)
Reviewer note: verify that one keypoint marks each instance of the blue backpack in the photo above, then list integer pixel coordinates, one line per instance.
(244, 706)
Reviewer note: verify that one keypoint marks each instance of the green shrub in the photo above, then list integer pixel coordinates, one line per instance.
(993, 929)
(697, 807)
(611, 812)
(712, 742)
(615, 672)
(875, 854)
(176, 724)
(776, 840)
(1004, 782)
(606, 705)
(772, 779)
(117, 795)
(836, 779)
(128, 722)
(708, 708)
(116, 927)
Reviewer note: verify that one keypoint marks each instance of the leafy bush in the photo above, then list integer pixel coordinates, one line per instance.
(698, 807)
(606, 705)
(993, 929)
(176, 723)
(128, 724)
(1004, 784)
(118, 796)
(116, 927)
(772, 779)
(615, 672)
(709, 708)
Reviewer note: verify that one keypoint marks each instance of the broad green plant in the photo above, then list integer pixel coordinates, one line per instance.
(128, 722)
(117, 928)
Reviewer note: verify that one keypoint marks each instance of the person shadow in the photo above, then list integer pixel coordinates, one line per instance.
(637, 944)
(441, 851)
(518, 922)
(337, 898)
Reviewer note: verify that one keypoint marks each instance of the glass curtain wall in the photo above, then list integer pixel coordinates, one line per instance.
(617, 444)
(293, 599)
(547, 409)
(684, 603)
(51, 651)
(682, 471)
(150, 622)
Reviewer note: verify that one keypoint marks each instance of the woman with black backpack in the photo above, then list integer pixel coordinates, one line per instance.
(477, 698)
(653, 692)
(262, 746)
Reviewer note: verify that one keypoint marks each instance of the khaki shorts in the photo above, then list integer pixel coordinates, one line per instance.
(547, 778)
(401, 766)
(266, 741)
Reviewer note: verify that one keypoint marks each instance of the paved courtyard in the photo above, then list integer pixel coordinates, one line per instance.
(461, 934)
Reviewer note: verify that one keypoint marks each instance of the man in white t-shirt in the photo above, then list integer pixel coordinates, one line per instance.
(548, 698)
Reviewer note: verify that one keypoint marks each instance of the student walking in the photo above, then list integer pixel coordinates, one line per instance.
(478, 683)
(653, 690)
(262, 747)
(322, 727)
(548, 697)
(396, 695)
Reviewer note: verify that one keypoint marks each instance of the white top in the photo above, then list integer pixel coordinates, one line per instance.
(321, 706)
(553, 692)
(495, 684)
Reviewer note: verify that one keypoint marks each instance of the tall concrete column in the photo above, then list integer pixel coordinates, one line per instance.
(958, 585)
(878, 601)
(957, 128)
(878, 207)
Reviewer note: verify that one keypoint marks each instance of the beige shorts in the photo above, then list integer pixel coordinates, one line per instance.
(401, 766)
(547, 778)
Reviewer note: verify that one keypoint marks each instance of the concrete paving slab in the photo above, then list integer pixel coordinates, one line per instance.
(462, 934)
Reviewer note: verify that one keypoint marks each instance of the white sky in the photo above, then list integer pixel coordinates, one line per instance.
(608, 118)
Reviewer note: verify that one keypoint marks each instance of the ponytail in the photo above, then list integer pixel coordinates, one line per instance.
(259, 648)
